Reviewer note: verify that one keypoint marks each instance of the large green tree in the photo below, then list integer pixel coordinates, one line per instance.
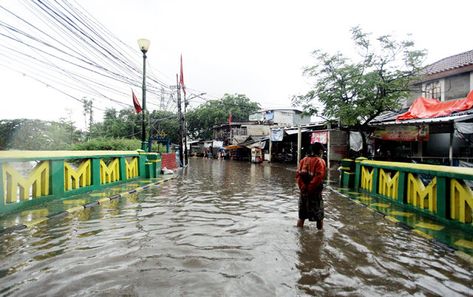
(201, 119)
(26, 134)
(355, 92)
(165, 123)
(123, 123)
(126, 123)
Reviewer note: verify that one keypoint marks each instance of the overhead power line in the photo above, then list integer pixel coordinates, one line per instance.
(61, 45)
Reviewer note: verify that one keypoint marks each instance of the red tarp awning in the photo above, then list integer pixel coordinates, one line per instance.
(423, 108)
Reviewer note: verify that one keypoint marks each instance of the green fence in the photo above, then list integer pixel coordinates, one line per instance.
(443, 192)
(32, 177)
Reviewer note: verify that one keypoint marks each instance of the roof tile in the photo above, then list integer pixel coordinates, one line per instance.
(448, 63)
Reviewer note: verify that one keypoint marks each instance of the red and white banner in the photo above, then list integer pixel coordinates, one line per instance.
(320, 136)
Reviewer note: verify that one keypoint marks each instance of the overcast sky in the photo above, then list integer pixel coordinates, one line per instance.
(253, 47)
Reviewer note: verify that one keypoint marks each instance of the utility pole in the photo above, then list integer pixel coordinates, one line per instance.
(185, 129)
(179, 111)
(299, 141)
(161, 103)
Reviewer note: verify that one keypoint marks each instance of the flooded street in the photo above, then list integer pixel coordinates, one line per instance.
(226, 228)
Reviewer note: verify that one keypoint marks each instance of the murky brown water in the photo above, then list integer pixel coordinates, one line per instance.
(226, 229)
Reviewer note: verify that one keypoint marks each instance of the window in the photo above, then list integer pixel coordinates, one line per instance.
(433, 90)
(239, 131)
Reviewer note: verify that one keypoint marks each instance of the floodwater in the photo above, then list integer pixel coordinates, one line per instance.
(226, 228)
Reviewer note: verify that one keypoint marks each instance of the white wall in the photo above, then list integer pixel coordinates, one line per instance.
(257, 130)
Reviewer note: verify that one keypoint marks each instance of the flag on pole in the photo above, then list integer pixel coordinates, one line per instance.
(230, 118)
(136, 103)
(181, 79)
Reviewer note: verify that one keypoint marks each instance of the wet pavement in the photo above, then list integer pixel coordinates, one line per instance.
(225, 228)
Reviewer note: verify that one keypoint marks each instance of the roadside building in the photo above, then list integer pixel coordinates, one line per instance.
(239, 138)
(290, 144)
(447, 79)
(437, 127)
(283, 117)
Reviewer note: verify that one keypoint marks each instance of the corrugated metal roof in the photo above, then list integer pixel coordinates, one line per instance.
(387, 116)
(294, 131)
(457, 117)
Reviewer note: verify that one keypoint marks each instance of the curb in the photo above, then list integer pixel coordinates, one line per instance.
(80, 208)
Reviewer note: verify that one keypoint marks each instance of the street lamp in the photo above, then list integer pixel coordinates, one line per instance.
(144, 46)
(186, 102)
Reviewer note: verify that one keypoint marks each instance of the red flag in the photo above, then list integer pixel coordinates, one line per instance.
(136, 103)
(230, 118)
(181, 79)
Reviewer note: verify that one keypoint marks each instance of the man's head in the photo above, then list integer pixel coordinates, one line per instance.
(316, 149)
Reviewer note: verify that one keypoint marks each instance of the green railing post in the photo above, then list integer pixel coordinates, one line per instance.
(401, 187)
(358, 172)
(346, 173)
(56, 178)
(375, 181)
(443, 197)
(95, 172)
(142, 166)
(122, 168)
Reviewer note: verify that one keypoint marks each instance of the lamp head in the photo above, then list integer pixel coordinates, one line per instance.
(143, 44)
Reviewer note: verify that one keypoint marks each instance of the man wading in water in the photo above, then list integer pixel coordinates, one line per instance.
(309, 176)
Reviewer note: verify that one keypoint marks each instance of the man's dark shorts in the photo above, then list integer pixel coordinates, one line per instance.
(311, 206)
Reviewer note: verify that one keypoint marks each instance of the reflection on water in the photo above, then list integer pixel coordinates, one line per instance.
(225, 229)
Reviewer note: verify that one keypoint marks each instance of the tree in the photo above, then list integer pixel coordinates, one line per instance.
(165, 122)
(26, 134)
(201, 119)
(88, 111)
(356, 92)
(124, 123)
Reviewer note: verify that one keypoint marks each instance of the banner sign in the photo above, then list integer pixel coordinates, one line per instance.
(320, 136)
(217, 143)
(403, 133)
(269, 116)
(277, 134)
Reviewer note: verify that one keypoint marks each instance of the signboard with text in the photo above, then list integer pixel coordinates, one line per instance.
(403, 133)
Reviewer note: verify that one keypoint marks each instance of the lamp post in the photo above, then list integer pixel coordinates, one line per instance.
(144, 46)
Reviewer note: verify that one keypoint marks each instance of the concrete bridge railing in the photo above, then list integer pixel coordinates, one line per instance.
(440, 191)
(33, 177)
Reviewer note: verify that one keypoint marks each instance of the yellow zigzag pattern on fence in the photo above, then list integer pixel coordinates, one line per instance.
(420, 195)
(109, 173)
(17, 186)
(74, 179)
(388, 186)
(131, 168)
(461, 202)
(366, 178)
